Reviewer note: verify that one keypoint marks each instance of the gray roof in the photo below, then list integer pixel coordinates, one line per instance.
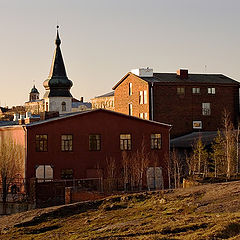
(67, 115)
(106, 95)
(188, 140)
(7, 123)
(192, 78)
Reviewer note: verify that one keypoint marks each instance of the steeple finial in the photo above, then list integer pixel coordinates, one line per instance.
(58, 41)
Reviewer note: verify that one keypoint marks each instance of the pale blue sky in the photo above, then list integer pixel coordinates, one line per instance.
(104, 39)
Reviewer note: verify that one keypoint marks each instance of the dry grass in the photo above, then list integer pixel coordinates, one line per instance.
(203, 212)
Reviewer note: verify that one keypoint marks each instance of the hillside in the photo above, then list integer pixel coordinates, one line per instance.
(203, 212)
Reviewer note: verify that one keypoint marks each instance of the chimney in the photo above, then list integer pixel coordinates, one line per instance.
(28, 115)
(16, 117)
(21, 119)
(182, 73)
(143, 72)
(81, 99)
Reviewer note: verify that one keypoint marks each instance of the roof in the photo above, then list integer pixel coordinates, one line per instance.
(110, 94)
(7, 123)
(34, 89)
(192, 78)
(77, 104)
(57, 84)
(188, 140)
(73, 114)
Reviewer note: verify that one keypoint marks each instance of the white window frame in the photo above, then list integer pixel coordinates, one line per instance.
(141, 97)
(42, 172)
(206, 109)
(145, 97)
(195, 90)
(211, 90)
(130, 89)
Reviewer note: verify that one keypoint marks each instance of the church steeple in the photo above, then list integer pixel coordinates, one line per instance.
(57, 84)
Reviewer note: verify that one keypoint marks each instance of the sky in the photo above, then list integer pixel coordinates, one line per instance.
(103, 40)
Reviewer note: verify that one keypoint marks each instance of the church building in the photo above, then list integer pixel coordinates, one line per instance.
(57, 97)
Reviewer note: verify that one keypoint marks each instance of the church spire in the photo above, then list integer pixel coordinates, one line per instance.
(57, 84)
(57, 68)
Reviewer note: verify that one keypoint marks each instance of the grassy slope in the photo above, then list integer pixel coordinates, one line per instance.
(203, 212)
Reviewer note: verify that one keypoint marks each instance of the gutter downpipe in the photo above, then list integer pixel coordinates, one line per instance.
(152, 101)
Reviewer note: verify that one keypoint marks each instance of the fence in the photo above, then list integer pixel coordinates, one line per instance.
(52, 192)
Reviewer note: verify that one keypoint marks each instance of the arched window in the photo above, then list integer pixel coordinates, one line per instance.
(63, 107)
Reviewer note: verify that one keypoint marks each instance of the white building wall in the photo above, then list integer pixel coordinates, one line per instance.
(55, 104)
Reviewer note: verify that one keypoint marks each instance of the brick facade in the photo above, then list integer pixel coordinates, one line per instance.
(123, 99)
(180, 110)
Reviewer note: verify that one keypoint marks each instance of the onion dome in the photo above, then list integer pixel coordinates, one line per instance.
(57, 84)
(34, 90)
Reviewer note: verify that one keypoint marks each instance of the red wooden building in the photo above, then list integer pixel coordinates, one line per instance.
(77, 145)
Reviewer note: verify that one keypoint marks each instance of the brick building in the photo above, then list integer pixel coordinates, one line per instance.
(77, 145)
(105, 101)
(189, 102)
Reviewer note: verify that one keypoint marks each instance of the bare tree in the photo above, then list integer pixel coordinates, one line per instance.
(11, 163)
(229, 142)
(143, 159)
(111, 172)
(176, 168)
(126, 169)
(168, 165)
(218, 155)
(200, 157)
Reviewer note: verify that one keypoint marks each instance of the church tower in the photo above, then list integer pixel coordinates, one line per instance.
(34, 94)
(57, 96)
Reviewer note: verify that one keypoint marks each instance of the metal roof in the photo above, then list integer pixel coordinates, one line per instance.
(188, 140)
(110, 94)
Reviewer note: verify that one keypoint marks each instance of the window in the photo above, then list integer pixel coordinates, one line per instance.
(211, 90)
(125, 142)
(67, 173)
(156, 141)
(141, 115)
(195, 90)
(46, 106)
(145, 115)
(143, 97)
(95, 142)
(180, 90)
(130, 89)
(41, 143)
(63, 107)
(130, 112)
(206, 109)
(66, 144)
(44, 172)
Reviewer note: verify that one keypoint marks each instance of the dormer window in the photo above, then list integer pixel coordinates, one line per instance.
(63, 107)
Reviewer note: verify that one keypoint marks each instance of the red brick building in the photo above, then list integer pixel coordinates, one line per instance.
(189, 102)
(77, 145)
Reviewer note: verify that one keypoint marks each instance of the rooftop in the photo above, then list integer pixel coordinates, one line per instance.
(110, 94)
(188, 140)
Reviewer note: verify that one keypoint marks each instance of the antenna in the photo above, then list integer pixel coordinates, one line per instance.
(205, 68)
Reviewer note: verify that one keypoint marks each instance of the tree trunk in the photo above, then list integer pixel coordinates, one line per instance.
(4, 189)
